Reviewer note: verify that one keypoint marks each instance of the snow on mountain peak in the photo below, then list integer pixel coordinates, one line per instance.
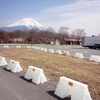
(29, 22)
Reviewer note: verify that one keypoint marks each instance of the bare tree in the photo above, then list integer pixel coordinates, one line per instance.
(46, 36)
(50, 29)
(63, 32)
(18, 34)
(24, 35)
(34, 36)
(78, 33)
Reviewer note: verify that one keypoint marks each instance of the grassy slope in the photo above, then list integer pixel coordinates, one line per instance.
(57, 65)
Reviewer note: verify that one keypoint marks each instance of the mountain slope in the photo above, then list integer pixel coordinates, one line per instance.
(24, 24)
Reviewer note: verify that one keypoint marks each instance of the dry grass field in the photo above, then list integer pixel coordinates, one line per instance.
(55, 66)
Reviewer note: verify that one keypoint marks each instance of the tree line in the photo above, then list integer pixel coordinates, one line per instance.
(34, 36)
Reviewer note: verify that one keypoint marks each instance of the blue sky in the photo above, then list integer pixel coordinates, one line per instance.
(81, 14)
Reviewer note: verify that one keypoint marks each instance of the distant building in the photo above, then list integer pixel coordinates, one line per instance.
(71, 40)
(17, 40)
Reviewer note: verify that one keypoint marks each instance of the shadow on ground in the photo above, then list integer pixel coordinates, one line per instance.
(57, 98)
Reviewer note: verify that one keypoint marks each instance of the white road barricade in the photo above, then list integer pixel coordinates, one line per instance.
(45, 50)
(14, 66)
(51, 51)
(27, 47)
(59, 52)
(78, 55)
(6, 46)
(32, 47)
(2, 61)
(38, 48)
(36, 74)
(18, 46)
(66, 53)
(42, 49)
(94, 58)
(77, 90)
(35, 47)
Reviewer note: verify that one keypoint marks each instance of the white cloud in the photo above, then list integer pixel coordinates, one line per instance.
(77, 6)
(84, 14)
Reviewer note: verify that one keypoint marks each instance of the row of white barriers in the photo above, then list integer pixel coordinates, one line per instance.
(52, 50)
(6, 46)
(94, 58)
(65, 87)
(18, 46)
(34, 73)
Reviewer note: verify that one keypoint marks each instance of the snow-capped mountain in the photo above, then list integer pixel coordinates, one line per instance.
(24, 24)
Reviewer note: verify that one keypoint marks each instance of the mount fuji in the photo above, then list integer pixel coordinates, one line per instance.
(24, 24)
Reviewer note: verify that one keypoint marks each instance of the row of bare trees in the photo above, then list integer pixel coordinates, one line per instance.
(33, 36)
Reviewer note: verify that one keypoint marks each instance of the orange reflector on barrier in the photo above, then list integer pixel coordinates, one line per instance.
(70, 83)
(12, 62)
(33, 69)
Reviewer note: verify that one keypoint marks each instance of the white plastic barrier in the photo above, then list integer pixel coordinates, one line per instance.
(45, 50)
(38, 48)
(94, 58)
(14, 66)
(66, 53)
(42, 49)
(6, 46)
(34, 47)
(51, 51)
(2, 61)
(59, 52)
(78, 55)
(36, 74)
(27, 47)
(18, 46)
(77, 90)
